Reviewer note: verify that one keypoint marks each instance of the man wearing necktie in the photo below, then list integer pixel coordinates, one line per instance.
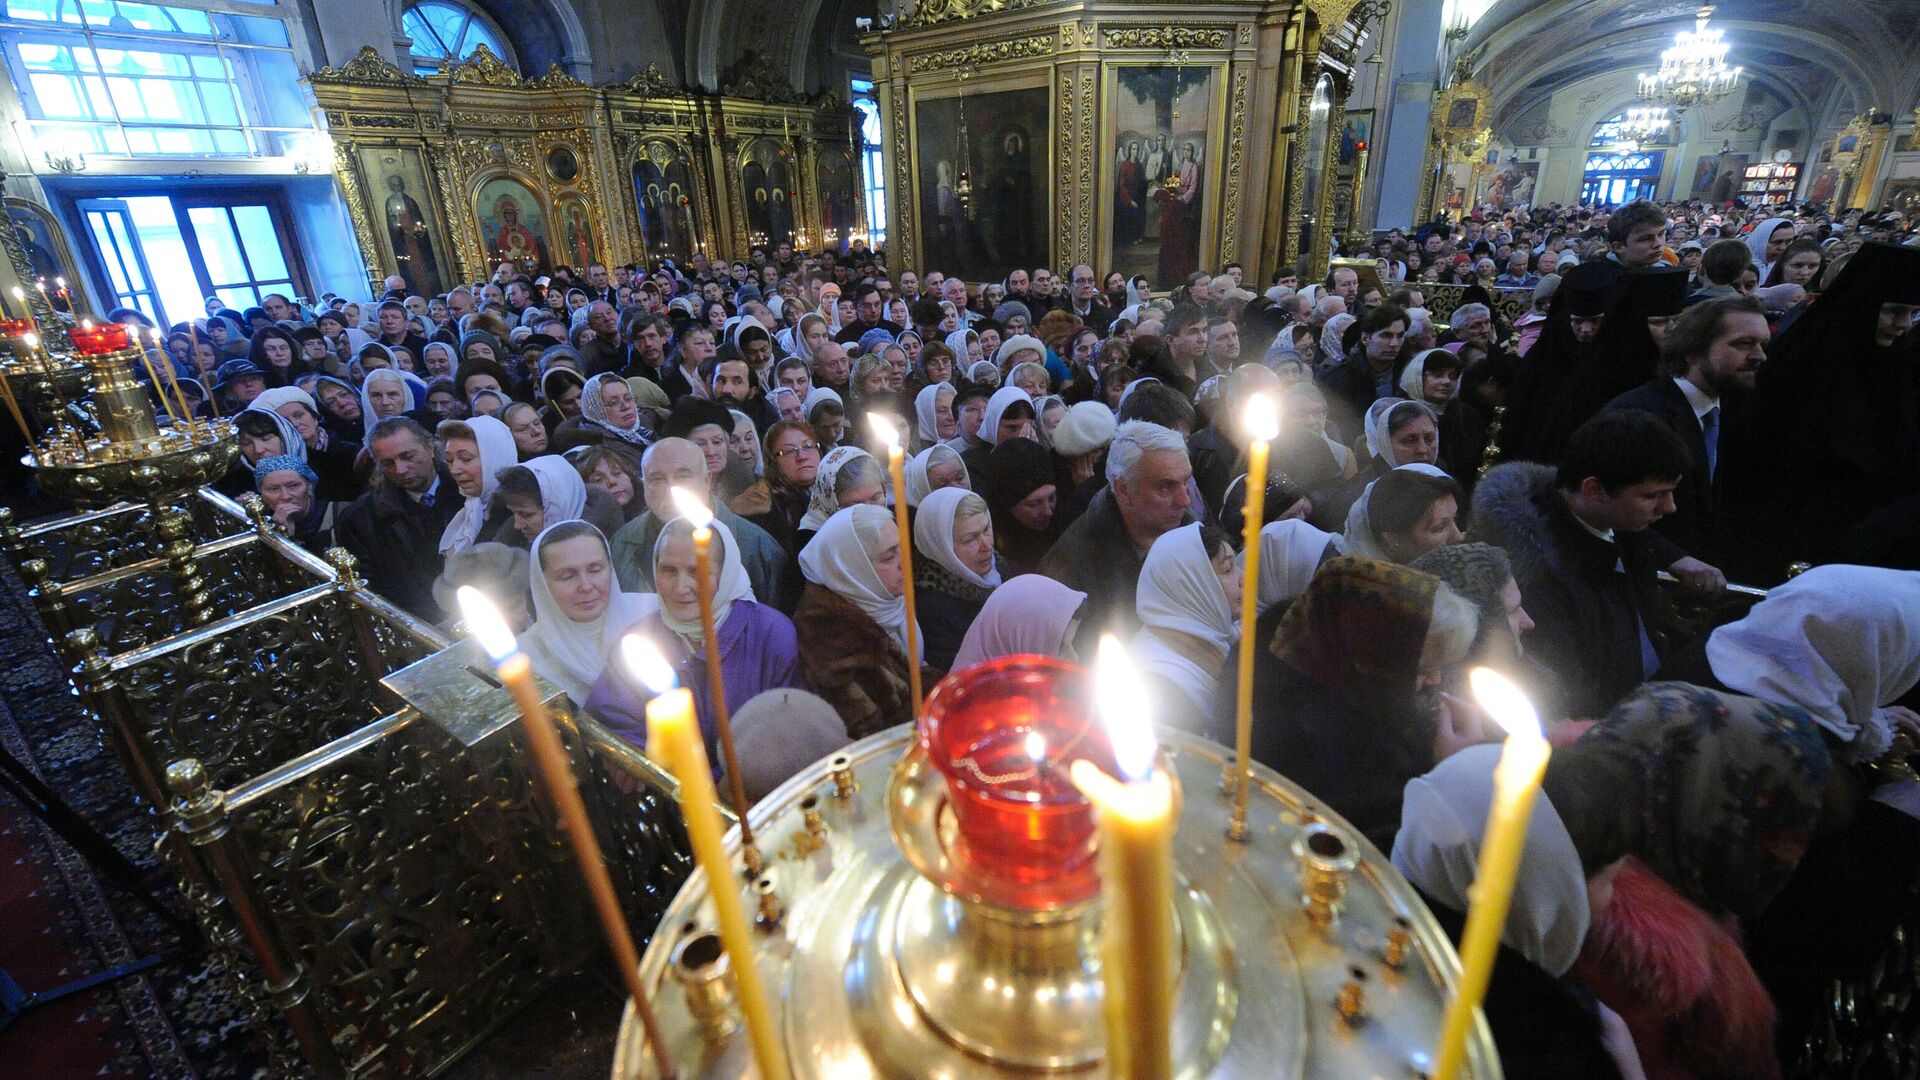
(1708, 364)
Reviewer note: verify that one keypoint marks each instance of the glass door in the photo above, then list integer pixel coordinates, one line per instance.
(164, 254)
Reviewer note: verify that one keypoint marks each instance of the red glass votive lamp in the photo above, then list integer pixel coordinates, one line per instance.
(17, 328)
(95, 340)
(1003, 734)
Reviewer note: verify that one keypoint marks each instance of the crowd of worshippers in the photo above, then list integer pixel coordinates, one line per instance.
(1706, 392)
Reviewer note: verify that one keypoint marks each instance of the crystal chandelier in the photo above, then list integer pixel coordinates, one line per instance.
(1694, 71)
(1641, 126)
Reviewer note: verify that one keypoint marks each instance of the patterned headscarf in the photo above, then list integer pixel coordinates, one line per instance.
(1717, 793)
(1358, 630)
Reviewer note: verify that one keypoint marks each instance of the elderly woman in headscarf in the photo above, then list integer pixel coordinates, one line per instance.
(262, 433)
(1188, 604)
(547, 490)
(1399, 432)
(937, 467)
(1344, 693)
(954, 568)
(1009, 416)
(1332, 337)
(934, 421)
(852, 621)
(392, 393)
(847, 476)
(476, 451)
(966, 347)
(1433, 377)
(1019, 486)
(1031, 613)
(1716, 797)
(579, 612)
(1842, 644)
(1403, 515)
(290, 489)
(608, 413)
(332, 458)
(826, 413)
(438, 360)
(1544, 1025)
(757, 647)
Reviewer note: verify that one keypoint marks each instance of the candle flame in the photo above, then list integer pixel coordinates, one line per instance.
(646, 664)
(61, 282)
(1036, 746)
(32, 340)
(1506, 703)
(1119, 695)
(1261, 418)
(19, 293)
(86, 324)
(485, 622)
(692, 507)
(884, 430)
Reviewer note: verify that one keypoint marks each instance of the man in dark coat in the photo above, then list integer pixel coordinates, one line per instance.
(1101, 553)
(1585, 555)
(395, 528)
(1367, 374)
(1710, 358)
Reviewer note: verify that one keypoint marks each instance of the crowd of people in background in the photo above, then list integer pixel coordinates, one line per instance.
(1708, 393)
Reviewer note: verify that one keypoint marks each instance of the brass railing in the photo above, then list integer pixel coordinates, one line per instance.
(344, 797)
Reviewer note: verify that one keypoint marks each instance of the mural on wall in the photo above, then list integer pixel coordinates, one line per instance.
(834, 173)
(1161, 118)
(576, 232)
(415, 240)
(512, 226)
(997, 141)
(1512, 185)
(664, 191)
(766, 179)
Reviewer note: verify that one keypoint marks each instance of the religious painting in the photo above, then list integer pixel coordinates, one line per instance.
(1848, 144)
(1902, 194)
(982, 177)
(766, 181)
(513, 228)
(1161, 156)
(1826, 184)
(1705, 171)
(563, 164)
(1512, 185)
(575, 221)
(669, 208)
(1733, 171)
(833, 171)
(1356, 134)
(45, 245)
(408, 217)
(1462, 113)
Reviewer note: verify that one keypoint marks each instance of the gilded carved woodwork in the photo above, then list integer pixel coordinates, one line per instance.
(1168, 37)
(368, 67)
(935, 12)
(1236, 149)
(1083, 191)
(972, 56)
(483, 68)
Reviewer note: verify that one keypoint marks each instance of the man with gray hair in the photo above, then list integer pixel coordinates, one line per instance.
(675, 462)
(1472, 323)
(1101, 554)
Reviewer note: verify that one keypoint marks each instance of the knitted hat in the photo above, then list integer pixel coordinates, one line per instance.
(1016, 343)
(1088, 427)
(235, 369)
(1010, 309)
(874, 340)
(1476, 571)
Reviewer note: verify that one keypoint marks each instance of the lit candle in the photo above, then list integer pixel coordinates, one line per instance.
(1516, 781)
(173, 380)
(516, 674)
(897, 468)
(1135, 842)
(159, 388)
(20, 297)
(1260, 422)
(673, 738)
(695, 511)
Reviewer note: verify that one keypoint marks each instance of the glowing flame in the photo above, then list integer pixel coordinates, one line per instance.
(692, 507)
(646, 664)
(883, 428)
(1261, 418)
(485, 622)
(1120, 697)
(1506, 703)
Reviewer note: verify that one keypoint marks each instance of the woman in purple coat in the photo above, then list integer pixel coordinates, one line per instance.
(758, 650)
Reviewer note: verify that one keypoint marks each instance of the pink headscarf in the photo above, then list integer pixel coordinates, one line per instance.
(1026, 614)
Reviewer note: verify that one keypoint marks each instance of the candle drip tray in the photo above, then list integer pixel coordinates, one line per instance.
(892, 958)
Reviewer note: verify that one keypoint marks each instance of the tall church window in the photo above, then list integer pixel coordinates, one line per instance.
(119, 79)
(873, 169)
(445, 32)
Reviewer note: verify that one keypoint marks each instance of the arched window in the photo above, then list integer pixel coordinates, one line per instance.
(445, 32)
(1615, 179)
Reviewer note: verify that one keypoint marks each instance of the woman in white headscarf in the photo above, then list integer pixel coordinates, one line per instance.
(967, 350)
(578, 609)
(1031, 613)
(477, 450)
(1404, 514)
(934, 421)
(1188, 605)
(545, 491)
(756, 643)
(389, 392)
(1401, 432)
(1291, 551)
(847, 476)
(938, 466)
(1542, 1025)
(852, 621)
(1760, 240)
(1009, 415)
(955, 569)
(1362, 537)
(1841, 642)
